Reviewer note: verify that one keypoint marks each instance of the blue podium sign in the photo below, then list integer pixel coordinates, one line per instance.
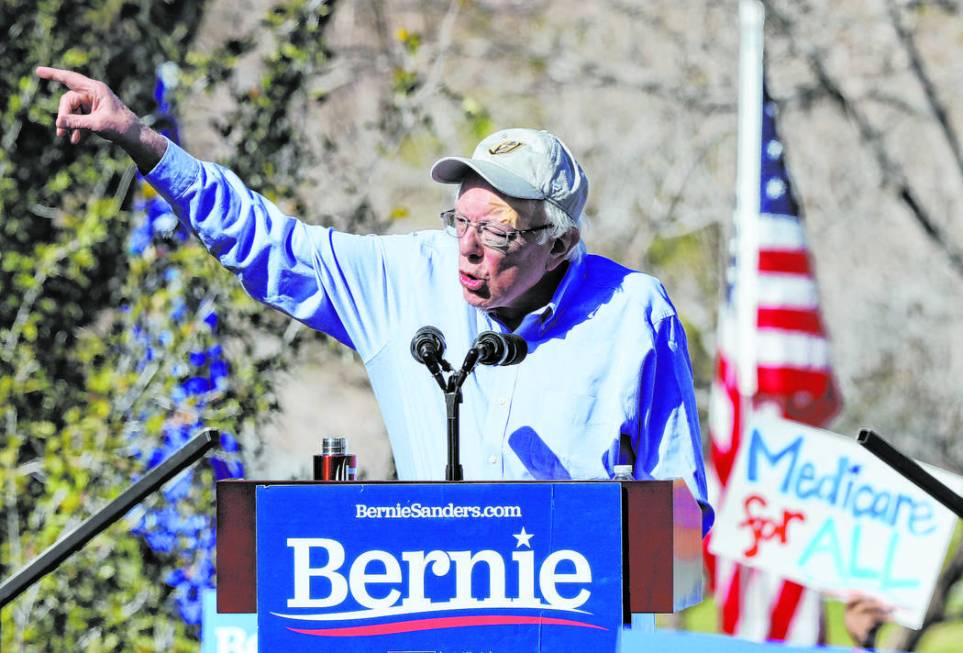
(453, 568)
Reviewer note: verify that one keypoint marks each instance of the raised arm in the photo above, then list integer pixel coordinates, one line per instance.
(333, 282)
(90, 106)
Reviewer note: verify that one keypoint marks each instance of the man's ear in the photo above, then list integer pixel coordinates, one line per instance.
(562, 245)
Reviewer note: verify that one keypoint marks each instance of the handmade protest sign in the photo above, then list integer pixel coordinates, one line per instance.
(815, 507)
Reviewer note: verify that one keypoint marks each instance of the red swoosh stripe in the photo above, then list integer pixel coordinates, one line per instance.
(439, 623)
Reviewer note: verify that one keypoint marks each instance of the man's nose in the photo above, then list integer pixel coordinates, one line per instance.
(469, 245)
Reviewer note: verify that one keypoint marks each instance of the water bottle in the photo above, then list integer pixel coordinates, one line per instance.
(622, 473)
(335, 463)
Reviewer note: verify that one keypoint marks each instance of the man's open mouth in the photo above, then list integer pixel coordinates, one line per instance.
(470, 281)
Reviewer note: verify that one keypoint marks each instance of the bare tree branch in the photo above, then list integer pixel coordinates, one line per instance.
(891, 171)
(908, 41)
(892, 102)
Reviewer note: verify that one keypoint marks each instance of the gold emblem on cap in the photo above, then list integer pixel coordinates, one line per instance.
(504, 147)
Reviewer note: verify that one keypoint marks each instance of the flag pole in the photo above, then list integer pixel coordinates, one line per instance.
(746, 218)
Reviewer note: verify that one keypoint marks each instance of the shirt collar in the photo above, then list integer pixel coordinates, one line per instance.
(545, 314)
(550, 310)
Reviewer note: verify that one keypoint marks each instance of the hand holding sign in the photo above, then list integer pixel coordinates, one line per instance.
(863, 618)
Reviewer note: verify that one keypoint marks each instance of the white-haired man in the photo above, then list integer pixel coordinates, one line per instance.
(607, 380)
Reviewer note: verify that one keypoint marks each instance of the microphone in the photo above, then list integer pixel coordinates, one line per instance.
(500, 348)
(428, 345)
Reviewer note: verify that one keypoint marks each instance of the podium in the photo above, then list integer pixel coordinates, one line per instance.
(467, 566)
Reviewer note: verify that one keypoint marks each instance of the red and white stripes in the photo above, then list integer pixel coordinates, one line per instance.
(795, 380)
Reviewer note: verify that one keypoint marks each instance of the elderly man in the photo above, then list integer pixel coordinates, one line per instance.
(607, 380)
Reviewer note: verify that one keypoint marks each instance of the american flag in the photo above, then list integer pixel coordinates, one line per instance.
(794, 379)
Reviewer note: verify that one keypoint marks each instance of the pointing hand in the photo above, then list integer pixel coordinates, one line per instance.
(90, 106)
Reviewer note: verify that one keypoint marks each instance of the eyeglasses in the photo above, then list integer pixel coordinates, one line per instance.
(490, 236)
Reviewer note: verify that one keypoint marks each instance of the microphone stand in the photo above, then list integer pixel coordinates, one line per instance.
(453, 471)
(490, 348)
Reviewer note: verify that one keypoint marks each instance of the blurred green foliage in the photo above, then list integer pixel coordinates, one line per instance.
(685, 264)
(72, 393)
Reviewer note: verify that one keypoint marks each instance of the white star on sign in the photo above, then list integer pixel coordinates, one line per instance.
(523, 538)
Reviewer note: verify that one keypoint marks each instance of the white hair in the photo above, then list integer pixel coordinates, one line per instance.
(561, 223)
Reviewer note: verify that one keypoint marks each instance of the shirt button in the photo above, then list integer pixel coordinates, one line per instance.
(492, 459)
(502, 400)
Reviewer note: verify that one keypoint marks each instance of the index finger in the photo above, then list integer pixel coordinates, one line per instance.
(68, 78)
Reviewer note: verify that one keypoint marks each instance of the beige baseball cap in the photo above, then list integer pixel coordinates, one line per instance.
(524, 163)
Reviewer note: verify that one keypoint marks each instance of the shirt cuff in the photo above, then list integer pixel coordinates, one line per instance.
(175, 173)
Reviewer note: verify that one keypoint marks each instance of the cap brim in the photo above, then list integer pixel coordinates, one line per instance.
(452, 170)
